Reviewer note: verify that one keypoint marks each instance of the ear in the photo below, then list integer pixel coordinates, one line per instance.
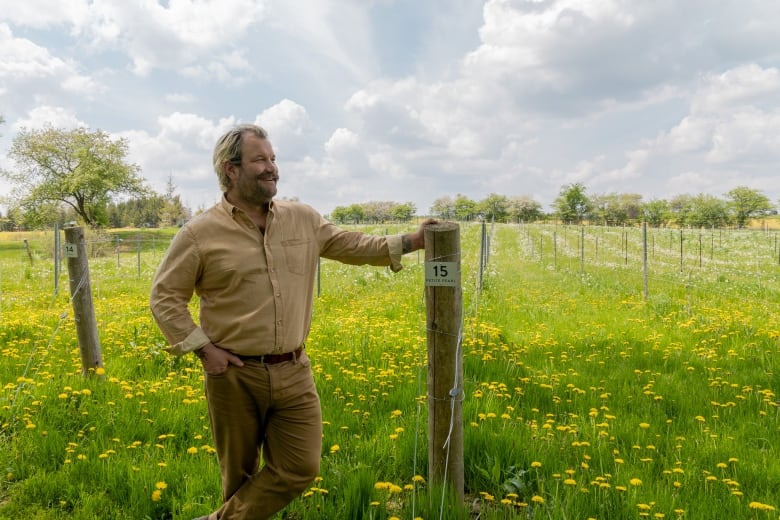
(231, 170)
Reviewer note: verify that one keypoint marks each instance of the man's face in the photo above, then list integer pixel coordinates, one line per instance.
(254, 180)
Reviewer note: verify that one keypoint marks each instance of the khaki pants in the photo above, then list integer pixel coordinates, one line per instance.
(268, 409)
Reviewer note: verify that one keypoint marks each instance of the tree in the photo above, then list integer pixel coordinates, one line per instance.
(443, 207)
(173, 211)
(572, 204)
(680, 209)
(616, 208)
(465, 209)
(376, 212)
(707, 211)
(745, 203)
(79, 168)
(494, 208)
(524, 209)
(656, 212)
(403, 212)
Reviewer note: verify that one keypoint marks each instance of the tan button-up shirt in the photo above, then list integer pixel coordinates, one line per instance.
(256, 289)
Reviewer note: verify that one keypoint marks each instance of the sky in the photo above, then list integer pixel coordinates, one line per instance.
(412, 100)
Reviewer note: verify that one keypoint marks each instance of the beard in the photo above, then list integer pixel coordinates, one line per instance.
(255, 189)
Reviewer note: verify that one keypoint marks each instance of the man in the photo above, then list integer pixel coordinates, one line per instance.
(252, 261)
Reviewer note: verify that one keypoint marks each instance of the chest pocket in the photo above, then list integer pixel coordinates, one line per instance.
(297, 254)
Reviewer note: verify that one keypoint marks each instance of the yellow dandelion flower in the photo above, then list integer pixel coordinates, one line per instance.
(192, 450)
(536, 464)
(635, 482)
(537, 499)
(335, 448)
(760, 506)
(161, 485)
(156, 495)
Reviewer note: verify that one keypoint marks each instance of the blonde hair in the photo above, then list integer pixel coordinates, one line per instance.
(228, 150)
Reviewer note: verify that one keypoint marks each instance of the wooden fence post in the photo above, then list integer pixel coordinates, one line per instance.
(81, 296)
(29, 253)
(444, 307)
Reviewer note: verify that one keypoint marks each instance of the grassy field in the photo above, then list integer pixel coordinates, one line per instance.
(583, 398)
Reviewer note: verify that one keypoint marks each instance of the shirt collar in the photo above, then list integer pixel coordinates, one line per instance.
(231, 209)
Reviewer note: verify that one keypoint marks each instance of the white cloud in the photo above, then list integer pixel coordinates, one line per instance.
(342, 142)
(177, 35)
(288, 125)
(48, 116)
(40, 14)
(740, 86)
(180, 147)
(22, 60)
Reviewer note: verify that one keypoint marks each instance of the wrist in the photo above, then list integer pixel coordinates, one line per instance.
(201, 352)
(406, 244)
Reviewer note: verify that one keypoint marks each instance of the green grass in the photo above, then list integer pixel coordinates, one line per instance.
(582, 399)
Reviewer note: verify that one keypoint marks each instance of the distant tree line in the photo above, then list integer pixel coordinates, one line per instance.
(738, 206)
(494, 208)
(574, 206)
(374, 212)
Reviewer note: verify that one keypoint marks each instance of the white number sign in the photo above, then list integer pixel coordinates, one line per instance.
(71, 251)
(441, 274)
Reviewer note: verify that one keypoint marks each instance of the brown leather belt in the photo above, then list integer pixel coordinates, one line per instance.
(272, 359)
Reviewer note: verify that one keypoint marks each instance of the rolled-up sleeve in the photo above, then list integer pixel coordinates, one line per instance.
(395, 247)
